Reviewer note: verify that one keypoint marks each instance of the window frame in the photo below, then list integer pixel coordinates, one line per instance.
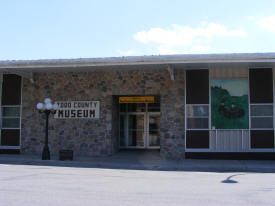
(20, 117)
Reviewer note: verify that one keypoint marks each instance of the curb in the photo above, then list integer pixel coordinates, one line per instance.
(185, 165)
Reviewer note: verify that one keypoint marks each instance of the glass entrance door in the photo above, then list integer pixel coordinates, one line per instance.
(136, 134)
(153, 132)
(139, 129)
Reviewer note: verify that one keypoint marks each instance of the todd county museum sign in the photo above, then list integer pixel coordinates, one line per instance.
(77, 110)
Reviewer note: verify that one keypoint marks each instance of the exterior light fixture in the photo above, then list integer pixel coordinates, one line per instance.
(46, 108)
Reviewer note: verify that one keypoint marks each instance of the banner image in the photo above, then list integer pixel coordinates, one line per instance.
(229, 104)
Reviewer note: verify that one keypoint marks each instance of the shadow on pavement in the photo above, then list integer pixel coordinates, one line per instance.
(146, 160)
(230, 180)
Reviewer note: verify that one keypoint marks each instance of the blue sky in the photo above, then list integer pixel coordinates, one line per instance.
(32, 29)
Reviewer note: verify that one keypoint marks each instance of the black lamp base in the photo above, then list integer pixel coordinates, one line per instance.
(46, 154)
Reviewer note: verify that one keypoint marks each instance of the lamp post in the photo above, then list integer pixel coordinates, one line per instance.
(47, 108)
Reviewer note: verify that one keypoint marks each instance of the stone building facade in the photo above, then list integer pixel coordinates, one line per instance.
(98, 137)
(204, 105)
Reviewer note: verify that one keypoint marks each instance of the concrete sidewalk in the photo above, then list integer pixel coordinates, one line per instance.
(145, 160)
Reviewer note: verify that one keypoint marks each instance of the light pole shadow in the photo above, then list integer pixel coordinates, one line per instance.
(230, 180)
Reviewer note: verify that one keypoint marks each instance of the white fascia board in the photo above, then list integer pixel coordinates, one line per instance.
(141, 60)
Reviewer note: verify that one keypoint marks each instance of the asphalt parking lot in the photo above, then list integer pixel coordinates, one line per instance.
(40, 184)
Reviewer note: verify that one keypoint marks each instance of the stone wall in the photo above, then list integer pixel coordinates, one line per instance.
(98, 137)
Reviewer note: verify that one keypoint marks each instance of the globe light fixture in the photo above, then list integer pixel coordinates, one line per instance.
(40, 106)
(55, 106)
(47, 108)
(47, 100)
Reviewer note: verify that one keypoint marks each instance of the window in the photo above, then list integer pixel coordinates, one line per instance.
(197, 87)
(261, 85)
(197, 139)
(262, 139)
(11, 89)
(197, 109)
(261, 116)
(261, 108)
(197, 116)
(11, 117)
(10, 137)
(10, 110)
